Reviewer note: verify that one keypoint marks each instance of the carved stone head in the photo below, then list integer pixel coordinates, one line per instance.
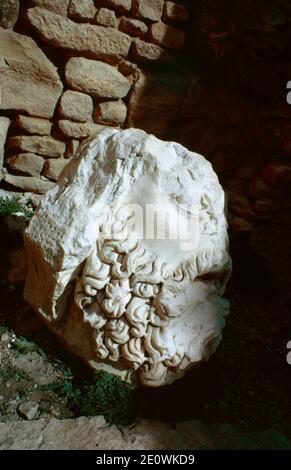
(128, 257)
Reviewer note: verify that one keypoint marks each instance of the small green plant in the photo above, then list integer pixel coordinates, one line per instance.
(105, 394)
(110, 396)
(23, 346)
(12, 205)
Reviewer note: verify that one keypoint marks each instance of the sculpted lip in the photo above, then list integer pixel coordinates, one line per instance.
(141, 303)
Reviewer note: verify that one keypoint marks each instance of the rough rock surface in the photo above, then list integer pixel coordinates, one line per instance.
(154, 102)
(110, 112)
(94, 433)
(4, 125)
(9, 10)
(34, 125)
(34, 184)
(26, 163)
(132, 26)
(53, 167)
(76, 106)
(96, 78)
(28, 410)
(42, 145)
(132, 302)
(167, 36)
(84, 10)
(145, 51)
(120, 5)
(149, 9)
(97, 41)
(60, 6)
(28, 80)
(78, 130)
(106, 17)
(174, 12)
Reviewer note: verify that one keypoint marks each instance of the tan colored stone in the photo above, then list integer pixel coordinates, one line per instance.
(106, 17)
(111, 112)
(72, 148)
(26, 163)
(126, 67)
(133, 27)
(34, 125)
(56, 6)
(53, 167)
(174, 12)
(35, 184)
(119, 5)
(98, 41)
(76, 106)
(28, 80)
(9, 10)
(76, 130)
(167, 36)
(155, 102)
(82, 10)
(96, 78)
(4, 125)
(149, 9)
(145, 51)
(42, 145)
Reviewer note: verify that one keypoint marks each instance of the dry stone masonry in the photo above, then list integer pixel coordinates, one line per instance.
(68, 69)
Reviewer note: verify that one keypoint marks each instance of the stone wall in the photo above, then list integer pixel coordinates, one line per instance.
(70, 67)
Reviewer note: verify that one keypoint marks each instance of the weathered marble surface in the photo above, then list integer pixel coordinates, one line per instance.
(146, 309)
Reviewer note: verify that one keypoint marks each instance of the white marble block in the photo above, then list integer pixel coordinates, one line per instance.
(128, 257)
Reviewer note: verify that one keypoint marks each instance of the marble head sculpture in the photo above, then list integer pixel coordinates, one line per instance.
(122, 297)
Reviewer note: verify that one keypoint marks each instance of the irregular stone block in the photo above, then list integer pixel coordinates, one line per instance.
(28, 80)
(111, 112)
(167, 36)
(98, 41)
(26, 163)
(53, 167)
(28, 410)
(42, 145)
(132, 27)
(59, 7)
(72, 147)
(76, 130)
(82, 10)
(145, 51)
(144, 305)
(35, 184)
(106, 17)
(126, 67)
(174, 12)
(4, 125)
(149, 9)
(9, 10)
(96, 78)
(34, 125)
(155, 102)
(76, 106)
(120, 5)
